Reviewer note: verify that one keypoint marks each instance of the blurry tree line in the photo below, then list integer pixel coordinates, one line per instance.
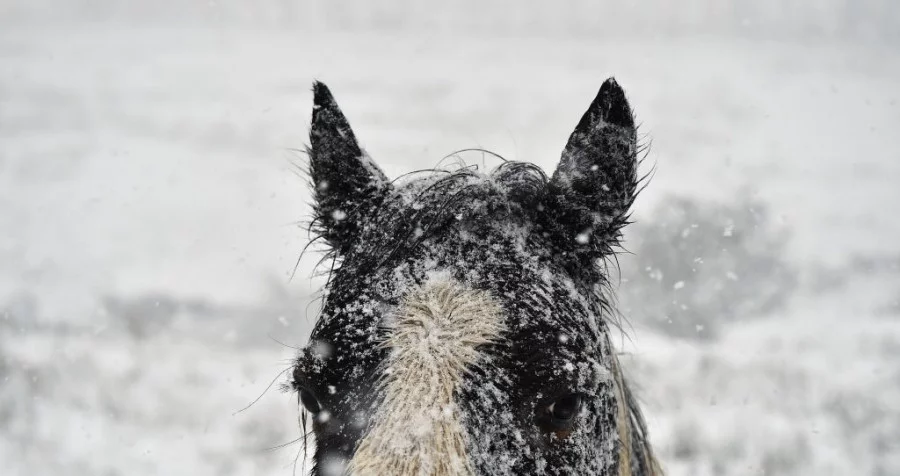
(870, 20)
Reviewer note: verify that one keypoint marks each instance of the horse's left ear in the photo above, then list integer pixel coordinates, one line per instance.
(595, 182)
(348, 184)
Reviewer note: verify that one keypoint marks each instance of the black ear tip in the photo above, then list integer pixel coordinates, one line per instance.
(610, 84)
(321, 94)
(612, 104)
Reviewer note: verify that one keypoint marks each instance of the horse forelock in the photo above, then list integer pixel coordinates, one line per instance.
(434, 339)
(511, 201)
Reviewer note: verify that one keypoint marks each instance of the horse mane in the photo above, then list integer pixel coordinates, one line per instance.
(636, 456)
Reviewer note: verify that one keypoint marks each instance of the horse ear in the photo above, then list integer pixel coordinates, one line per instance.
(595, 182)
(348, 184)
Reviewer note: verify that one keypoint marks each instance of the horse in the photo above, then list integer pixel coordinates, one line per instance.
(466, 320)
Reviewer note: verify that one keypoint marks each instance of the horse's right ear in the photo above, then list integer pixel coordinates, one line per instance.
(348, 184)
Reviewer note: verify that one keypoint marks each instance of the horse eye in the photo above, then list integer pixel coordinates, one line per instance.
(309, 401)
(559, 415)
(565, 408)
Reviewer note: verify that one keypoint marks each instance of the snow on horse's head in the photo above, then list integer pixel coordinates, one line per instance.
(466, 321)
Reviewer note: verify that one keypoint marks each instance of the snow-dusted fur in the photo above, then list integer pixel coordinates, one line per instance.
(466, 325)
(433, 340)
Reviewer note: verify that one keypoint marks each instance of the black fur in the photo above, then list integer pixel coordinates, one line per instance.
(534, 243)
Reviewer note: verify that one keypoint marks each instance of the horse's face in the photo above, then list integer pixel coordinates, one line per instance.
(465, 330)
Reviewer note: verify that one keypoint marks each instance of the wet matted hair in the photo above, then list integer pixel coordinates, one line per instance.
(466, 322)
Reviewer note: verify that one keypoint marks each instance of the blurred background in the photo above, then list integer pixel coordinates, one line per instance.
(150, 201)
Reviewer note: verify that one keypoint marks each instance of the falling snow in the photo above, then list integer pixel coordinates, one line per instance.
(147, 175)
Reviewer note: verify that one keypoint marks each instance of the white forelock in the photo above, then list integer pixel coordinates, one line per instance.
(434, 339)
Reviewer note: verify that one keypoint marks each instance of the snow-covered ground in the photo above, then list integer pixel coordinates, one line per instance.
(148, 201)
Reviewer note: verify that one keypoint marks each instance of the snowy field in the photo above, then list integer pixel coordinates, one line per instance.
(149, 201)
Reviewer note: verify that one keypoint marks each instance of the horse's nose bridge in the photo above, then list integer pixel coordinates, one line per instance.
(433, 338)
